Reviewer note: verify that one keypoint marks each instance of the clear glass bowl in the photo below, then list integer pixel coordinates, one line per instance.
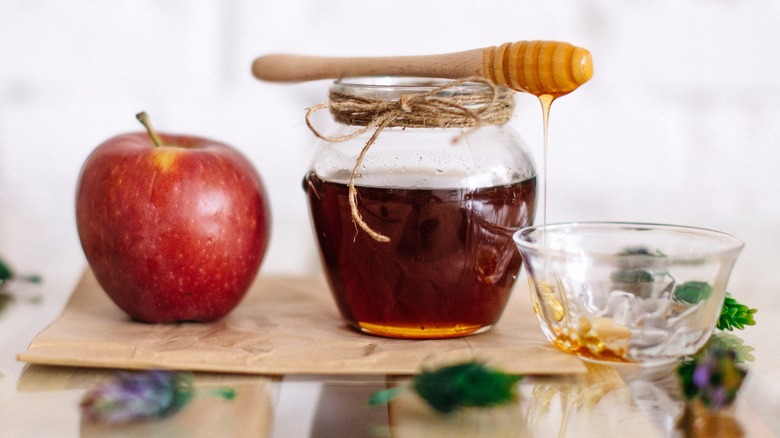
(627, 292)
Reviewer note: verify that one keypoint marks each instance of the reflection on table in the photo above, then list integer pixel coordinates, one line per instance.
(603, 402)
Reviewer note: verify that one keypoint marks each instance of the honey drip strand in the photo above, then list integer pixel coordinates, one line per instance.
(418, 110)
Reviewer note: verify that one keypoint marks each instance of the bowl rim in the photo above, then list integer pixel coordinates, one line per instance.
(730, 243)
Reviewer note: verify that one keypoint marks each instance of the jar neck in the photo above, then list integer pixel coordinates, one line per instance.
(419, 102)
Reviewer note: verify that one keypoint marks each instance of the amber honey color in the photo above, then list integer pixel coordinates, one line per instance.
(448, 268)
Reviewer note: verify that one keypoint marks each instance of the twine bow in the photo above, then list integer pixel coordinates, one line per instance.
(430, 109)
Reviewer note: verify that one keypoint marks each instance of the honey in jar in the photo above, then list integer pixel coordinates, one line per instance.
(445, 200)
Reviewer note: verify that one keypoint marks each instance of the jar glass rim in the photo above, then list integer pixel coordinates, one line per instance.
(392, 87)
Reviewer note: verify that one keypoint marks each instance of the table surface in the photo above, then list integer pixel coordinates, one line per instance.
(38, 400)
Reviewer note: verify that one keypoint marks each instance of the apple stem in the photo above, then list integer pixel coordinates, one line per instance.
(144, 119)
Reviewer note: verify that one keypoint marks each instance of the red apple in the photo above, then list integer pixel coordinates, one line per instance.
(174, 227)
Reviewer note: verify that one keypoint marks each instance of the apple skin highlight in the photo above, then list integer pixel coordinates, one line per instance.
(172, 233)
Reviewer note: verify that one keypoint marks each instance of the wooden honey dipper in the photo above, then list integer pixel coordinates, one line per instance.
(537, 67)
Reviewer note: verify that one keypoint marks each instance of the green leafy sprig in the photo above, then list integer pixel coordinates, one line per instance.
(735, 315)
(5, 272)
(727, 341)
(713, 376)
(7, 276)
(453, 387)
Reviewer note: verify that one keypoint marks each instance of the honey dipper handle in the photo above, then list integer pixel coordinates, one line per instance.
(536, 67)
(293, 68)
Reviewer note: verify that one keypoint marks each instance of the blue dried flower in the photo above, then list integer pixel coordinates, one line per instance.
(130, 397)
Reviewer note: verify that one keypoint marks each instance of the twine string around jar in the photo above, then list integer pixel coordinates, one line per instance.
(416, 110)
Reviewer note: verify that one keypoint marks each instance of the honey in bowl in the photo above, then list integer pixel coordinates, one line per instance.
(447, 269)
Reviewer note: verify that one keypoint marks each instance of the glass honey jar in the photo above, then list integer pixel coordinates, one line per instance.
(414, 197)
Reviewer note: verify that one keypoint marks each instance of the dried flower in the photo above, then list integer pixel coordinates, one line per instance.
(712, 377)
(130, 397)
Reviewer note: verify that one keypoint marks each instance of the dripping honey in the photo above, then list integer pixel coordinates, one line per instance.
(580, 340)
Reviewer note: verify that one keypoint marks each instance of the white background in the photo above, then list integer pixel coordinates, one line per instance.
(680, 124)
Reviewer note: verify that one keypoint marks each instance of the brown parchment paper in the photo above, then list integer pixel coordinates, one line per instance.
(285, 325)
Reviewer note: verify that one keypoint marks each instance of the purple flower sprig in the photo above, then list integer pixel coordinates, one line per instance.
(712, 377)
(130, 397)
